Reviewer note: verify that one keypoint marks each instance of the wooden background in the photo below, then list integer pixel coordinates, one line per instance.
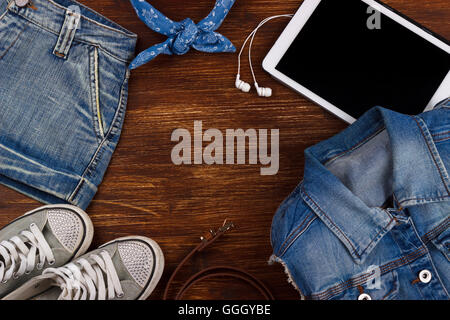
(145, 194)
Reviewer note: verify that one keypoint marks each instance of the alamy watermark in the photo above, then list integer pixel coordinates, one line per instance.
(374, 20)
(229, 148)
(374, 283)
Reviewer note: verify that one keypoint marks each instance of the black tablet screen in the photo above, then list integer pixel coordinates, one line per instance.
(356, 60)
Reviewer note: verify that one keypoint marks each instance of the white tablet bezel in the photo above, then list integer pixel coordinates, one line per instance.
(297, 23)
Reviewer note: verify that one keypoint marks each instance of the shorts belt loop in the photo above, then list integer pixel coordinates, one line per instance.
(68, 30)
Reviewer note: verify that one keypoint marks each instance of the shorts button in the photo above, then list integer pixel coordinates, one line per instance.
(425, 276)
(364, 296)
(22, 3)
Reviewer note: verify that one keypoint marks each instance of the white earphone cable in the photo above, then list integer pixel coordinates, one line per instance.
(252, 36)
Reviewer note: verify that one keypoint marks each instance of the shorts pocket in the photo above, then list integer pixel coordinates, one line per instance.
(108, 80)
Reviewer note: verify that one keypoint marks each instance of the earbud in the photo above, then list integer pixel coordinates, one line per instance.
(242, 85)
(263, 92)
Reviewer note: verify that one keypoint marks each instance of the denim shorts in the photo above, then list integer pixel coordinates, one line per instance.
(63, 92)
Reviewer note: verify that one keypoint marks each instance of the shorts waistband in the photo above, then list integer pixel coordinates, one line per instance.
(93, 28)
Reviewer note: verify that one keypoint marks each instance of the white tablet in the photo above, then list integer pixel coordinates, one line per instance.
(349, 56)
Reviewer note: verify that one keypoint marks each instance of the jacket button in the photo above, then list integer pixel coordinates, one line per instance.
(22, 3)
(364, 296)
(425, 276)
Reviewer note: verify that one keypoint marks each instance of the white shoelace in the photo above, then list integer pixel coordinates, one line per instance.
(79, 279)
(19, 254)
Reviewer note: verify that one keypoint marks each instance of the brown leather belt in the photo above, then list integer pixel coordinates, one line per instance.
(215, 272)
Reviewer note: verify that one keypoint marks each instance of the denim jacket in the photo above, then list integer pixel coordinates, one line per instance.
(370, 220)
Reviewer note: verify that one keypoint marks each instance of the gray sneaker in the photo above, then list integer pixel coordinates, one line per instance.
(48, 236)
(124, 269)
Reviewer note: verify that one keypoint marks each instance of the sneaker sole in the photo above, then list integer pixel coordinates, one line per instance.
(159, 266)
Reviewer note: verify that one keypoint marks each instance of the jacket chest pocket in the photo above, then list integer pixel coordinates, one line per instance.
(376, 287)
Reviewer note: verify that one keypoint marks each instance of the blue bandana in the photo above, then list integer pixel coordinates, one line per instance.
(185, 34)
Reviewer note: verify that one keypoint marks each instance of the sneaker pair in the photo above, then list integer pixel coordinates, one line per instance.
(42, 257)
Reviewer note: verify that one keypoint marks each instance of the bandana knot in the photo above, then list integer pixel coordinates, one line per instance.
(184, 35)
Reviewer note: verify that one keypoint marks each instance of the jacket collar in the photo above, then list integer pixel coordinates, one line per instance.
(419, 176)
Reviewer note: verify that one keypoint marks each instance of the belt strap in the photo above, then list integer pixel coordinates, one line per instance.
(215, 272)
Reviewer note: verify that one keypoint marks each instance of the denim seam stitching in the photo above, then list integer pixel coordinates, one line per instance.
(98, 113)
(14, 42)
(442, 140)
(437, 231)
(425, 199)
(75, 191)
(92, 92)
(292, 234)
(96, 108)
(6, 11)
(75, 39)
(336, 227)
(102, 49)
(97, 158)
(118, 118)
(298, 234)
(295, 192)
(379, 235)
(440, 134)
(403, 260)
(444, 177)
(295, 230)
(356, 146)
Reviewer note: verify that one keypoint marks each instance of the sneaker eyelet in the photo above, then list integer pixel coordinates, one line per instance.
(50, 263)
(15, 276)
(39, 266)
(27, 272)
(33, 225)
(120, 295)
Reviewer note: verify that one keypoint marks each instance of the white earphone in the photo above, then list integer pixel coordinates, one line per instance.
(242, 85)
